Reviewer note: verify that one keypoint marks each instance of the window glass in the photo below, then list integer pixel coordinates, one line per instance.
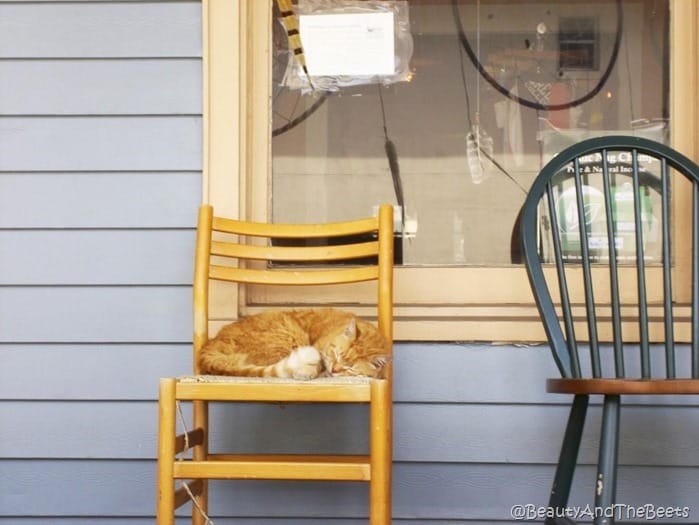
(495, 88)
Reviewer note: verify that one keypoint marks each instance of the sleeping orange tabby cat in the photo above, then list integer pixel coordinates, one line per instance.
(299, 344)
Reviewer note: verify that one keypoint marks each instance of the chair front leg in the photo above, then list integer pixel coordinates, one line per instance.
(605, 485)
(200, 453)
(381, 453)
(568, 458)
(166, 452)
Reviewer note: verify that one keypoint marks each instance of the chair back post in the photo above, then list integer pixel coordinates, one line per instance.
(695, 280)
(537, 280)
(200, 285)
(385, 262)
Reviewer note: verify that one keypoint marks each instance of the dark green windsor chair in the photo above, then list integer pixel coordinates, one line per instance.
(610, 264)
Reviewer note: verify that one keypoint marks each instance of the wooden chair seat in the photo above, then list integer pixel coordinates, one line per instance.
(324, 389)
(612, 386)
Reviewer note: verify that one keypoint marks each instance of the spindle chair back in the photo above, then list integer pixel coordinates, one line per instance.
(614, 270)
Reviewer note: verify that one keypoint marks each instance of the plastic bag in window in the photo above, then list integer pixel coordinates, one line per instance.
(349, 43)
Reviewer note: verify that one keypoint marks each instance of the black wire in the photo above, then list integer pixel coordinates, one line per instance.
(528, 103)
(303, 116)
(463, 82)
(470, 125)
(393, 166)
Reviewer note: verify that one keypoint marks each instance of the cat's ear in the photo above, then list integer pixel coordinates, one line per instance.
(351, 330)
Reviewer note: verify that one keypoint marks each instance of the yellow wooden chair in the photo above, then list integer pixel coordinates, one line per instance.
(217, 258)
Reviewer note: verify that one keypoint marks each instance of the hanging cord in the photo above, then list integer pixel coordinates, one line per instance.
(470, 123)
(528, 103)
(392, 156)
(628, 78)
(301, 117)
(180, 457)
(478, 55)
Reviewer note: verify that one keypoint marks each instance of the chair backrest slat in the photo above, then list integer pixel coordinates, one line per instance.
(611, 226)
(291, 277)
(572, 360)
(602, 213)
(640, 270)
(293, 231)
(295, 253)
(670, 366)
(582, 206)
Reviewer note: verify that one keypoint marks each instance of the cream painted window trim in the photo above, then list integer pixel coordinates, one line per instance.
(432, 303)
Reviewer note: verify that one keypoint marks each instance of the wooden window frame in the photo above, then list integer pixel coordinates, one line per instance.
(432, 303)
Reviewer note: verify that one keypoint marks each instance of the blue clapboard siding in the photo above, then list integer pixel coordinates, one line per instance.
(100, 179)
(101, 87)
(152, 143)
(242, 521)
(91, 257)
(425, 373)
(85, 314)
(464, 439)
(100, 30)
(98, 199)
(422, 490)
(134, 520)
(425, 433)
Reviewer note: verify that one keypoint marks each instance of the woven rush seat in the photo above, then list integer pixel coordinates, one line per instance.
(337, 380)
(276, 389)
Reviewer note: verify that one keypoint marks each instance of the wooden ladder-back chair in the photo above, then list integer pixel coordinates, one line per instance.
(610, 263)
(362, 250)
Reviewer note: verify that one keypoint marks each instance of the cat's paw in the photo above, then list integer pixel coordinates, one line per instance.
(304, 363)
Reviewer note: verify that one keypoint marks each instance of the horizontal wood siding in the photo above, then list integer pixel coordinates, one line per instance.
(463, 452)
(99, 143)
(425, 433)
(137, 199)
(116, 30)
(422, 491)
(100, 177)
(101, 87)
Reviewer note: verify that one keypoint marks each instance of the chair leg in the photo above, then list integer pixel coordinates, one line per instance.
(605, 486)
(380, 452)
(568, 458)
(200, 453)
(166, 452)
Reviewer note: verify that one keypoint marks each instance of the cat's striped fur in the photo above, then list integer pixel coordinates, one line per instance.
(299, 344)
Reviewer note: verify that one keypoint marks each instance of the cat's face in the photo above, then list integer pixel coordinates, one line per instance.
(346, 353)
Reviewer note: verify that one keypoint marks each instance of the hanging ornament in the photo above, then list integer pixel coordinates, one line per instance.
(479, 145)
(541, 91)
(479, 152)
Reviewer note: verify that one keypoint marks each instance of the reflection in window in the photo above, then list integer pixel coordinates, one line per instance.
(496, 89)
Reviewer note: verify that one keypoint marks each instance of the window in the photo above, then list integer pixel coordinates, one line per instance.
(460, 278)
(578, 43)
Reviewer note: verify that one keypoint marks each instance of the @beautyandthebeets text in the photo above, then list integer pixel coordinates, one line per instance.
(620, 511)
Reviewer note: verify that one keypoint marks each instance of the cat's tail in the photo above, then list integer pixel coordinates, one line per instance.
(303, 362)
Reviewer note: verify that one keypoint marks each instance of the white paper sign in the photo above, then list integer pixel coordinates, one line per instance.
(353, 44)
